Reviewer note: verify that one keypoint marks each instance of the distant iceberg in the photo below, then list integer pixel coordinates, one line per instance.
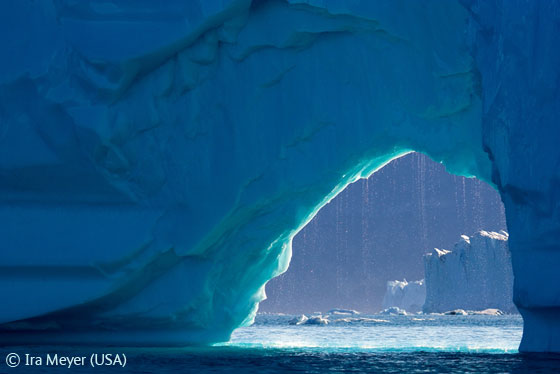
(343, 312)
(394, 310)
(409, 296)
(300, 320)
(317, 320)
(476, 275)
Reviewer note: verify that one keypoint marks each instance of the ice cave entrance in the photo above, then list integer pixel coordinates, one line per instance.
(382, 229)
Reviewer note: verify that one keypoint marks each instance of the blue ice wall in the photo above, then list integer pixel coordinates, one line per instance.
(157, 159)
(519, 67)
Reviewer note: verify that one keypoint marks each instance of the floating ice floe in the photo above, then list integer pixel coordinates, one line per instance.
(393, 311)
(343, 312)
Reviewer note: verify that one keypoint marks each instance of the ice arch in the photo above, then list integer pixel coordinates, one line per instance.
(155, 160)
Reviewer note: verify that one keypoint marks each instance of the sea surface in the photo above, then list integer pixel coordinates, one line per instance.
(348, 343)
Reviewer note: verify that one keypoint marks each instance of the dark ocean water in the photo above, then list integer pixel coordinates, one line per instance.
(356, 344)
(272, 360)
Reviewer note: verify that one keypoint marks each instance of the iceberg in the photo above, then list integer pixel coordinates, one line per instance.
(343, 312)
(409, 296)
(476, 275)
(157, 158)
(487, 312)
(316, 320)
(393, 310)
(301, 320)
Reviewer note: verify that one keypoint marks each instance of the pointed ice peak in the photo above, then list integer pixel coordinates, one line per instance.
(502, 235)
(440, 252)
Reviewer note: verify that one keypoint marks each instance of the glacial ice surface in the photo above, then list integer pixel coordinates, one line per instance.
(156, 158)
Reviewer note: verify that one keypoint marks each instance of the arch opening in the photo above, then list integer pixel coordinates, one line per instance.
(330, 276)
(378, 229)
